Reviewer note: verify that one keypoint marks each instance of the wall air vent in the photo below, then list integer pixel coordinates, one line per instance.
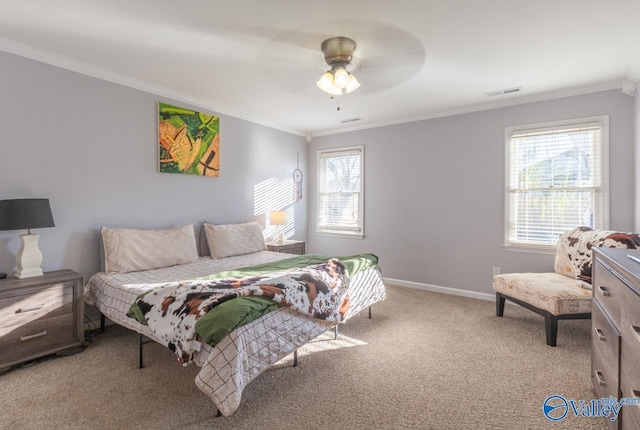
(502, 92)
(345, 121)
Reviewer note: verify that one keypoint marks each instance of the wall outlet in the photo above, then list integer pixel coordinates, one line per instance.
(496, 271)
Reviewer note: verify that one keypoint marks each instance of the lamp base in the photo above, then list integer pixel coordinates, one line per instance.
(29, 257)
(28, 273)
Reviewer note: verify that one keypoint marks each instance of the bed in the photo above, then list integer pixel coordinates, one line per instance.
(247, 351)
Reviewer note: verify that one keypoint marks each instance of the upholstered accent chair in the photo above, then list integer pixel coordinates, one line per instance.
(566, 292)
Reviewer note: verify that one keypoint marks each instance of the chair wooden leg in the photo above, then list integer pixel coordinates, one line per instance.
(551, 324)
(499, 305)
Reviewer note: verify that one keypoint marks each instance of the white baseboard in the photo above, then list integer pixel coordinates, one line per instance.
(439, 289)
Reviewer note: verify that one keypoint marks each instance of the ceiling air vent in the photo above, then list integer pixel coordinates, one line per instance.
(345, 121)
(502, 92)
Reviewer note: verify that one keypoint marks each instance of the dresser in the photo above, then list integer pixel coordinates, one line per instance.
(615, 359)
(288, 246)
(40, 316)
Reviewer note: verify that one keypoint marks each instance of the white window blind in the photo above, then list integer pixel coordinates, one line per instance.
(556, 180)
(340, 185)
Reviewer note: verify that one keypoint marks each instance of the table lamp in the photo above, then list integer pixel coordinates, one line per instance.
(20, 214)
(278, 218)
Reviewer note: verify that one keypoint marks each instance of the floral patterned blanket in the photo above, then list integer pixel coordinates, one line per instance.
(172, 309)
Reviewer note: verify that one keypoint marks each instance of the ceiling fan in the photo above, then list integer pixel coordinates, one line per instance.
(386, 56)
(338, 53)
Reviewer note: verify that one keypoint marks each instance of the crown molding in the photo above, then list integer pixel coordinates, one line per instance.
(630, 83)
(116, 78)
(629, 87)
(634, 71)
(550, 95)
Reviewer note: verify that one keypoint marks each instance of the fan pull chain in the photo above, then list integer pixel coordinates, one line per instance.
(337, 102)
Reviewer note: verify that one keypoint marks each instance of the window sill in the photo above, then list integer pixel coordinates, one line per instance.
(340, 234)
(531, 249)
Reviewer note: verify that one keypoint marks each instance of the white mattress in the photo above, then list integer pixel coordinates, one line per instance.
(247, 351)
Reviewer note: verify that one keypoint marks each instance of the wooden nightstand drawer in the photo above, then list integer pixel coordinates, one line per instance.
(288, 246)
(40, 316)
(35, 303)
(36, 338)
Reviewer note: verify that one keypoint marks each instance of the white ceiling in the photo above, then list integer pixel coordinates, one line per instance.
(259, 59)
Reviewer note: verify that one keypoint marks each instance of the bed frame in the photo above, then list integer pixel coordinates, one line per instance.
(143, 340)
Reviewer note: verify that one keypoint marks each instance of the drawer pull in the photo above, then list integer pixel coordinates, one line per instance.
(636, 393)
(603, 291)
(636, 329)
(600, 378)
(33, 336)
(31, 309)
(600, 335)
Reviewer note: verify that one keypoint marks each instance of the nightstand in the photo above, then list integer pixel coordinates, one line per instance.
(40, 316)
(287, 246)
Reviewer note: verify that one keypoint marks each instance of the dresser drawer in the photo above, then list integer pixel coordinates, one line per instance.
(630, 414)
(604, 377)
(630, 325)
(608, 290)
(19, 342)
(629, 358)
(605, 340)
(32, 304)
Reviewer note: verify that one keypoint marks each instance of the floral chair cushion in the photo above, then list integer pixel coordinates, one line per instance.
(558, 294)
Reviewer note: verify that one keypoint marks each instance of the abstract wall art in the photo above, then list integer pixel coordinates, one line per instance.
(189, 141)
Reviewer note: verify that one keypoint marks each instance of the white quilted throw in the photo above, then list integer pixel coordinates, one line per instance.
(171, 310)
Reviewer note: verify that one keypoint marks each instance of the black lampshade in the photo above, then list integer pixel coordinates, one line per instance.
(20, 214)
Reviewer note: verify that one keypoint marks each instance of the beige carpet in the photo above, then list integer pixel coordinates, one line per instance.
(425, 360)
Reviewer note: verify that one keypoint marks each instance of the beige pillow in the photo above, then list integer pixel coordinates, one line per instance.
(234, 239)
(127, 250)
(562, 263)
(203, 246)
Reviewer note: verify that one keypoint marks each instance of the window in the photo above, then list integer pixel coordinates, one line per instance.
(556, 180)
(340, 196)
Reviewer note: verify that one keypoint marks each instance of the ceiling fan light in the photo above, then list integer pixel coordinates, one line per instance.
(335, 91)
(341, 77)
(325, 82)
(353, 84)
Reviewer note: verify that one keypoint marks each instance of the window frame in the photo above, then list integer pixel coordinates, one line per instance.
(550, 248)
(324, 231)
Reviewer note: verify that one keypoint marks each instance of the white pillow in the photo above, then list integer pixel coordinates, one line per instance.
(127, 250)
(234, 239)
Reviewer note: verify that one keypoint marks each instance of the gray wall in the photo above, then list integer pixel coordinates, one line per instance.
(90, 146)
(434, 191)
